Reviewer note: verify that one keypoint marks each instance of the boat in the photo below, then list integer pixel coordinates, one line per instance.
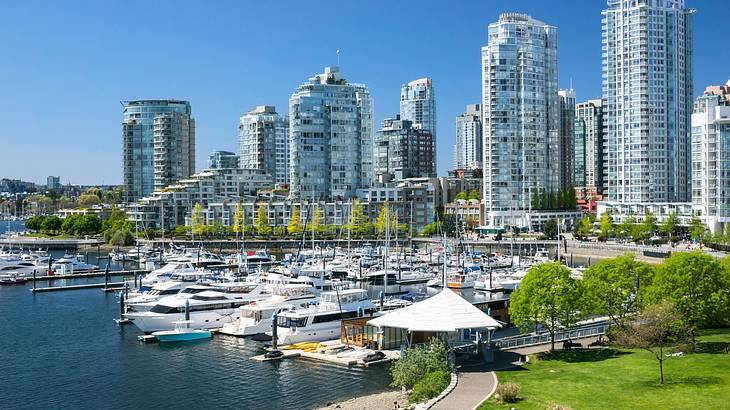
(12, 279)
(322, 321)
(460, 280)
(207, 310)
(69, 264)
(257, 317)
(182, 333)
(165, 273)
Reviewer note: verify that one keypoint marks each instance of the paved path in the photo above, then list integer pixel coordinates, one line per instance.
(476, 383)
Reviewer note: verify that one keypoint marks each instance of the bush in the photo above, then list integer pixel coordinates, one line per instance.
(430, 386)
(507, 392)
(419, 361)
(121, 237)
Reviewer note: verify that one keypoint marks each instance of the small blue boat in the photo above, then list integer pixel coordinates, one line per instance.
(182, 333)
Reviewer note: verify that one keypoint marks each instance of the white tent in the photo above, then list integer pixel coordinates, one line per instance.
(444, 312)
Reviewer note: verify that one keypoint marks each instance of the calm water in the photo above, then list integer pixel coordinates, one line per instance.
(63, 350)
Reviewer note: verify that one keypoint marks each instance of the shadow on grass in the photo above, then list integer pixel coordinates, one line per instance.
(679, 380)
(713, 347)
(582, 355)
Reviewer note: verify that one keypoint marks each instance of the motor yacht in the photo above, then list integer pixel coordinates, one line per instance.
(69, 264)
(322, 321)
(165, 273)
(207, 310)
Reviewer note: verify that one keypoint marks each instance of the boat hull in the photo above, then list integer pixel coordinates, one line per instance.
(173, 337)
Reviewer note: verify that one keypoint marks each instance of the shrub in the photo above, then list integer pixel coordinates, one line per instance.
(419, 361)
(430, 386)
(507, 392)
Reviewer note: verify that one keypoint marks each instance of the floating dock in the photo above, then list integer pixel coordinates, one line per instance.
(109, 287)
(320, 355)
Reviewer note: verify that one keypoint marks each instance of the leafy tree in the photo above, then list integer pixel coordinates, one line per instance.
(473, 194)
(605, 225)
(696, 228)
(548, 295)
(550, 229)
(87, 225)
(583, 228)
(34, 223)
(654, 329)
(626, 228)
(295, 223)
(121, 237)
(359, 223)
(544, 200)
(68, 224)
(431, 229)
(616, 287)
(461, 196)
(535, 200)
(261, 221)
(51, 223)
(670, 227)
(88, 200)
(418, 361)
(649, 223)
(380, 222)
(699, 287)
(197, 220)
(238, 220)
(449, 225)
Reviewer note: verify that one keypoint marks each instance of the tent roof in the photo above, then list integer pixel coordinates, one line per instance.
(444, 312)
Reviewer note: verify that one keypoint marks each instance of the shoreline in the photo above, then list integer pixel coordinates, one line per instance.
(383, 400)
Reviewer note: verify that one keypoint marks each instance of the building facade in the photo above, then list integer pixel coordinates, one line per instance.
(53, 182)
(158, 138)
(588, 149)
(222, 159)
(263, 142)
(520, 116)
(566, 99)
(468, 148)
(402, 151)
(331, 128)
(171, 206)
(711, 157)
(418, 104)
(647, 99)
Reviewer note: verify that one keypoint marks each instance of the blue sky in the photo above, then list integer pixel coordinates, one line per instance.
(66, 65)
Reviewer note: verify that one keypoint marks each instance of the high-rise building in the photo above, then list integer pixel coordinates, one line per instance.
(263, 137)
(53, 182)
(418, 104)
(468, 148)
(588, 149)
(566, 99)
(520, 116)
(647, 99)
(711, 157)
(159, 145)
(222, 159)
(402, 151)
(331, 128)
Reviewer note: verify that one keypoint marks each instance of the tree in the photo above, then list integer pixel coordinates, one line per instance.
(197, 220)
(698, 286)
(544, 204)
(649, 224)
(359, 223)
(295, 223)
(670, 226)
(34, 223)
(616, 287)
(696, 228)
(121, 237)
(461, 196)
(261, 221)
(605, 225)
(51, 223)
(535, 200)
(238, 222)
(87, 225)
(550, 229)
(655, 329)
(625, 229)
(380, 222)
(473, 194)
(583, 228)
(548, 295)
(88, 200)
(68, 224)
(431, 229)
(418, 361)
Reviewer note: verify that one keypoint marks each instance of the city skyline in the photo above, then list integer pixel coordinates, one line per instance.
(80, 59)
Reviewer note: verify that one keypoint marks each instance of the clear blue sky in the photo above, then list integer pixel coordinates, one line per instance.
(66, 65)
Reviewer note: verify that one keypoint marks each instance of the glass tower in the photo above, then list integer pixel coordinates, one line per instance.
(520, 116)
(588, 149)
(159, 145)
(418, 104)
(331, 127)
(263, 142)
(566, 99)
(468, 148)
(647, 99)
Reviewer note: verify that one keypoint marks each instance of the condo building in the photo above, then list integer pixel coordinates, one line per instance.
(222, 159)
(566, 99)
(588, 149)
(331, 129)
(647, 100)
(418, 104)
(468, 147)
(158, 138)
(263, 142)
(402, 151)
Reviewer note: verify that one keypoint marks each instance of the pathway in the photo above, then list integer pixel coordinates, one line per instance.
(476, 383)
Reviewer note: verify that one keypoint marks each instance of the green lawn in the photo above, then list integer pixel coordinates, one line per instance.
(626, 379)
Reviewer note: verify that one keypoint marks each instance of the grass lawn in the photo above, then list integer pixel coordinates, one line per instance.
(625, 379)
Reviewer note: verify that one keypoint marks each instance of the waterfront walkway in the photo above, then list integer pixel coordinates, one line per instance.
(477, 382)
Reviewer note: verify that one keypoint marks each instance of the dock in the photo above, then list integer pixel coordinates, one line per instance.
(93, 274)
(109, 286)
(321, 355)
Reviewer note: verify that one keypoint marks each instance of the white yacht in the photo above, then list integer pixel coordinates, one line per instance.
(207, 310)
(256, 317)
(69, 264)
(235, 290)
(461, 279)
(322, 321)
(165, 272)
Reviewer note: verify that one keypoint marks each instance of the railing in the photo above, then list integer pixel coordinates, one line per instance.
(543, 338)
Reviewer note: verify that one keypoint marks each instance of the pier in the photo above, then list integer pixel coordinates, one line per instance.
(111, 286)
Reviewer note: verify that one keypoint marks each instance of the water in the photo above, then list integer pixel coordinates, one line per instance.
(11, 226)
(63, 350)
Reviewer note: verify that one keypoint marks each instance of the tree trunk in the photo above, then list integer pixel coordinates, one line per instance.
(552, 339)
(661, 365)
